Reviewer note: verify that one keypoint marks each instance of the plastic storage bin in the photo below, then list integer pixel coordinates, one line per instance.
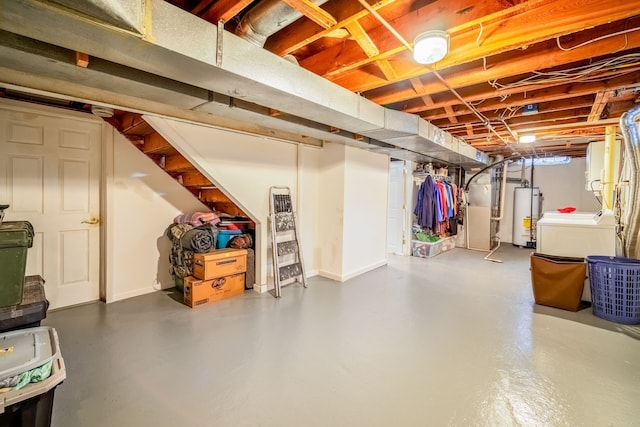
(30, 311)
(557, 281)
(224, 236)
(15, 238)
(615, 288)
(32, 405)
(430, 249)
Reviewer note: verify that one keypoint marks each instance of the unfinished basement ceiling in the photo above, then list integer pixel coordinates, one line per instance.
(573, 66)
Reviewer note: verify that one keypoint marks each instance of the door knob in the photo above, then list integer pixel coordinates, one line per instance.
(91, 221)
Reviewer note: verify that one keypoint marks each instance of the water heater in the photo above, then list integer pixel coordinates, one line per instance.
(526, 212)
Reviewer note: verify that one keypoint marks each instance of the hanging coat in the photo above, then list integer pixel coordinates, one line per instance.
(425, 205)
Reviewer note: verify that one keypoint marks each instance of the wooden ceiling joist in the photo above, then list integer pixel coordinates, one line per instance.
(202, 5)
(451, 116)
(542, 56)
(303, 32)
(387, 69)
(324, 64)
(361, 37)
(521, 96)
(601, 101)
(313, 12)
(469, 129)
(495, 110)
(418, 87)
(224, 10)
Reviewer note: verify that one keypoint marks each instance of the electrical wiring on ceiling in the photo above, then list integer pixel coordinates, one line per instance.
(582, 73)
(606, 36)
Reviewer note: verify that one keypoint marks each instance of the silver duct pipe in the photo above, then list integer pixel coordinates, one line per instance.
(267, 18)
(629, 128)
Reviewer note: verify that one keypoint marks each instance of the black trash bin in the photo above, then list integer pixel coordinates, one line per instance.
(30, 311)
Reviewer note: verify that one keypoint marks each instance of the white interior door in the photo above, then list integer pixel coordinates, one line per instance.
(50, 175)
(395, 223)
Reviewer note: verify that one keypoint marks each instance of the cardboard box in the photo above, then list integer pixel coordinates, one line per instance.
(201, 292)
(219, 263)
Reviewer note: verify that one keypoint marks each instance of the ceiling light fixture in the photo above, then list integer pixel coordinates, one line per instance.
(430, 46)
(527, 139)
(102, 111)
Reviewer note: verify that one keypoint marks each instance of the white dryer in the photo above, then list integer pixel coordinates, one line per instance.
(577, 234)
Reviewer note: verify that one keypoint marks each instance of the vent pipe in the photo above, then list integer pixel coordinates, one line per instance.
(267, 18)
(629, 128)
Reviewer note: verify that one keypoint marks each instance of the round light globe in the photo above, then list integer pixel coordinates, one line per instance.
(430, 46)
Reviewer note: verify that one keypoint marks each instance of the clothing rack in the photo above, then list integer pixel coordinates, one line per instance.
(419, 177)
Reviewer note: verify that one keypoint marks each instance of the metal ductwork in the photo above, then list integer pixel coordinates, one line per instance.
(267, 18)
(631, 133)
(160, 59)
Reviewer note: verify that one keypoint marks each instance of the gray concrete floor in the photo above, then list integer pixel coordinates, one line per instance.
(453, 340)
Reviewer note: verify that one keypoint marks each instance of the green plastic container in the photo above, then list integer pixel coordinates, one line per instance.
(15, 238)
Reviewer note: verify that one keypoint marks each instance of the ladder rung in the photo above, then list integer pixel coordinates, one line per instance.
(284, 221)
(290, 270)
(288, 263)
(288, 247)
(289, 281)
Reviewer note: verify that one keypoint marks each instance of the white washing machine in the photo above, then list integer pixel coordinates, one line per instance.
(577, 234)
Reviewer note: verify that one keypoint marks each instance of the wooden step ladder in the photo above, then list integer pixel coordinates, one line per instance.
(287, 258)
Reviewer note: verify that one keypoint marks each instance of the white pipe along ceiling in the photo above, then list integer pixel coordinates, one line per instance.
(150, 56)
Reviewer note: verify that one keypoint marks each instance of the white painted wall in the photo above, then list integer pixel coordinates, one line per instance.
(331, 213)
(561, 186)
(366, 190)
(142, 201)
(309, 164)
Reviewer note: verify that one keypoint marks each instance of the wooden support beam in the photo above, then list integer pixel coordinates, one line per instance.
(313, 12)
(494, 110)
(418, 87)
(362, 38)
(544, 20)
(223, 10)
(274, 113)
(525, 95)
(302, 33)
(82, 59)
(601, 101)
(469, 129)
(450, 114)
(409, 26)
(387, 69)
(544, 55)
(202, 5)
